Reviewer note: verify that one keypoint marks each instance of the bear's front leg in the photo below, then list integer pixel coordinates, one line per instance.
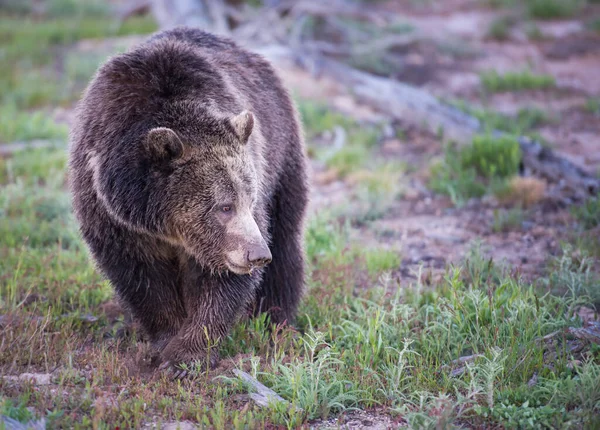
(213, 305)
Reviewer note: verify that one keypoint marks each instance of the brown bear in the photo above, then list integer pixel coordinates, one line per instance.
(188, 174)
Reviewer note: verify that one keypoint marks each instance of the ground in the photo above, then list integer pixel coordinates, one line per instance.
(444, 290)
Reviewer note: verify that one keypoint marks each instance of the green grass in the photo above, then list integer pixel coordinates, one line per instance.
(495, 82)
(588, 214)
(479, 168)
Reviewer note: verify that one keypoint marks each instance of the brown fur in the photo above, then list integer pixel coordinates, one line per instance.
(166, 137)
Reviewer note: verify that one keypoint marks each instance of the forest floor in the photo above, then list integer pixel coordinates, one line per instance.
(444, 289)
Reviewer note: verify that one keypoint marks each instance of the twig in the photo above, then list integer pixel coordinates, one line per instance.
(263, 396)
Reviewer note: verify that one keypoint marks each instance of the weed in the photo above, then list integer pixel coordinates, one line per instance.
(494, 82)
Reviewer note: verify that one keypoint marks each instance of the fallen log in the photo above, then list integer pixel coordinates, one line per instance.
(407, 103)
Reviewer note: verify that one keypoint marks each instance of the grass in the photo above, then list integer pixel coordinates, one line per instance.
(359, 342)
(592, 105)
(495, 82)
(348, 150)
(500, 28)
(37, 69)
(35, 72)
(484, 166)
(523, 123)
(588, 214)
(594, 25)
(508, 220)
(553, 9)
(543, 9)
(16, 125)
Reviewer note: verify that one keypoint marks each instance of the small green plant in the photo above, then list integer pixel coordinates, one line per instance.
(534, 32)
(588, 213)
(526, 119)
(318, 118)
(474, 170)
(594, 25)
(381, 260)
(348, 159)
(501, 3)
(508, 220)
(593, 105)
(495, 82)
(500, 28)
(314, 383)
(492, 157)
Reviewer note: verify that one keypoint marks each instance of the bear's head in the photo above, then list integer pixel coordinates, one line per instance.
(212, 192)
(194, 185)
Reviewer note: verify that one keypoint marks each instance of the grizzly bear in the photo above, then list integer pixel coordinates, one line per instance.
(188, 175)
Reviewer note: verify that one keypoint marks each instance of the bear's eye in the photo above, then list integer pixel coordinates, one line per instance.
(226, 208)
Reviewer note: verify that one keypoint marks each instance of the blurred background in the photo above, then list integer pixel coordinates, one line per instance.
(439, 132)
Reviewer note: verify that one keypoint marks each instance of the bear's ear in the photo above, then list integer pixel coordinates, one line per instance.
(164, 144)
(243, 125)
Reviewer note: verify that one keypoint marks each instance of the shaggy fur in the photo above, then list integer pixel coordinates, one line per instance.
(180, 148)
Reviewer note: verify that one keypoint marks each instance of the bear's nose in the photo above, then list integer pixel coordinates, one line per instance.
(258, 255)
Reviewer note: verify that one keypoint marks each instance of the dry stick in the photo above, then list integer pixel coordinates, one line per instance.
(263, 396)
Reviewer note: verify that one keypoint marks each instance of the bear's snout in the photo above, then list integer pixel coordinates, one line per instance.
(258, 255)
